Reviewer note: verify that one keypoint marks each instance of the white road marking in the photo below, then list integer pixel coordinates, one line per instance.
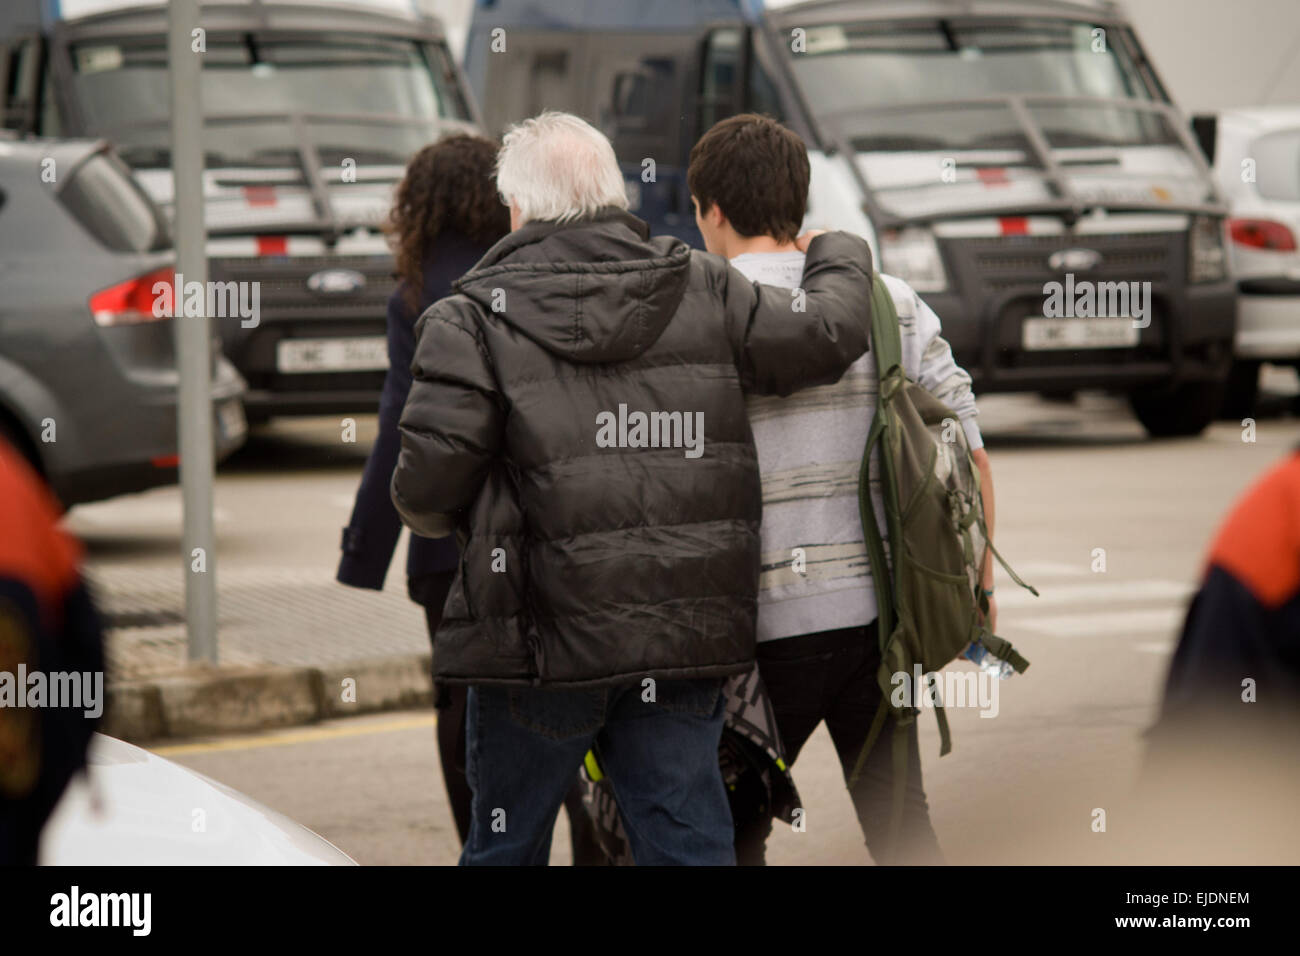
(1046, 569)
(1095, 604)
(1103, 590)
(1155, 647)
(134, 513)
(1162, 620)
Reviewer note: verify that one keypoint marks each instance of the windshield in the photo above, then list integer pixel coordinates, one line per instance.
(963, 115)
(1277, 161)
(972, 126)
(388, 94)
(853, 65)
(937, 158)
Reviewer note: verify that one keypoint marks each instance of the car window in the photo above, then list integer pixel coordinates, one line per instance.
(1277, 165)
(106, 200)
(18, 92)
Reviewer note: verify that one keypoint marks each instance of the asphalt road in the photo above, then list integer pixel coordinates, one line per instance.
(1023, 786)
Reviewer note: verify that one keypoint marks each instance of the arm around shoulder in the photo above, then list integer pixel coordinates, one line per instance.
(787, 339)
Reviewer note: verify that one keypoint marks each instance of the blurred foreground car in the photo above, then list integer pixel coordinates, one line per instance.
(1256, 154)
(140, 809)
(88, 380)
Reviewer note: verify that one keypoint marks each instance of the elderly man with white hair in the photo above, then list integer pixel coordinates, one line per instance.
(577, 418)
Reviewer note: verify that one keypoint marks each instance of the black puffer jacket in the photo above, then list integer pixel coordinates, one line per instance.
(583, 563)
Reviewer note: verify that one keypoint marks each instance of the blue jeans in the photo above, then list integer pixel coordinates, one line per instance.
(524, 746)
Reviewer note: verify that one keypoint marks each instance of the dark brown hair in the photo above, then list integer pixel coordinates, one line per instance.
(449, 185)
(756, 171)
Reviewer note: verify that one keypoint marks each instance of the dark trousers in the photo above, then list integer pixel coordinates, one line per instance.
(661, 756)
(831, 676)
(450, 701)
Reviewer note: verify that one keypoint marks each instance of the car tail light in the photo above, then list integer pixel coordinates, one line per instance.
(1262, 234)
(132, 302)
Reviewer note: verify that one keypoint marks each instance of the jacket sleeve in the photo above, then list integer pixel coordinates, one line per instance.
(939, 372)
(788, 339)
(371, 535)
(451, 426)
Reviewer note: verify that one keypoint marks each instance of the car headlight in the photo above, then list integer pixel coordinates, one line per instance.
(912, 255)
(1207, 260)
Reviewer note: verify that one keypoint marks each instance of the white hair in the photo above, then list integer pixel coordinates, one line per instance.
(556, 167)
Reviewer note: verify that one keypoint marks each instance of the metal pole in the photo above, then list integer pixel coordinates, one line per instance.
(193, 338)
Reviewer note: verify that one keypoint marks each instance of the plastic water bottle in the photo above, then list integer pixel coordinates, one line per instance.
(978, 653)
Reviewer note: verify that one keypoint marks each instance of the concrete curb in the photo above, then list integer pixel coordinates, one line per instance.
(219, 701)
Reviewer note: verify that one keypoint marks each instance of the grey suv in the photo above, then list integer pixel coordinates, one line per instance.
(88, 380)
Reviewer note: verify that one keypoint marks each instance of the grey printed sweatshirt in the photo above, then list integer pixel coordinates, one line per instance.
(809, 452)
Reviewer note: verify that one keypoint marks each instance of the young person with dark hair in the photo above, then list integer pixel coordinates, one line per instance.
(818, 652)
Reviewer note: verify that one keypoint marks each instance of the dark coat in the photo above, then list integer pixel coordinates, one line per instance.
(371, 535)
(590, 564)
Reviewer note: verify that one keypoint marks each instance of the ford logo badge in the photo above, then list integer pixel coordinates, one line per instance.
(1074, 260)
(336, 282)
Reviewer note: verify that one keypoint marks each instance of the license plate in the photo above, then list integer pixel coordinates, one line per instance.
(369, 353)
(231, 421)
(1107, 333)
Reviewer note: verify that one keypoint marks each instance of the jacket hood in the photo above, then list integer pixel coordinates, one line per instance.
(599, 290)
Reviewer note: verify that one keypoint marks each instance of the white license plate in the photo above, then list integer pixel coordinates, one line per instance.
(1108, 333)
(366, 353)
(231, 420)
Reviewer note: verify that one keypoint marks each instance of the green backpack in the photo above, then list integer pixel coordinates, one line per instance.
(931, 599)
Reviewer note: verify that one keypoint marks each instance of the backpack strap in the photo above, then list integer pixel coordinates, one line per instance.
(877, 724)
(900, 792)
(874, 540)
(899, 755)
(886, 342)
(1001, 649)
(885, 339)
(887, 345)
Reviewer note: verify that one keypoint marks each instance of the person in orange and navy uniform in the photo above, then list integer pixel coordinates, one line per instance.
(49, 625)
(1241, 640)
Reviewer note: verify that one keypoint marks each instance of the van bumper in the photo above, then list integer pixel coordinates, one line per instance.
(1190, 338)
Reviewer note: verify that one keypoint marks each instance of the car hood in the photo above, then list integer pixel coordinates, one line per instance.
(136, 808)
(913, 183)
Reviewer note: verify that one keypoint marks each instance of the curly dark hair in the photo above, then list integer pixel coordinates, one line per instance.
(449, 184)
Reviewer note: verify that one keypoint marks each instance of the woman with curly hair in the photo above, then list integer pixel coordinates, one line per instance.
(446, 214)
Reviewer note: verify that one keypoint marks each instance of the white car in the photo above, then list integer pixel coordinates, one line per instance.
(135, 808)
(1257, 163)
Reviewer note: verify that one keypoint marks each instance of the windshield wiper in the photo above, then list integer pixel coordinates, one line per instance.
(145, 157)
(889, 143)
(362, 156)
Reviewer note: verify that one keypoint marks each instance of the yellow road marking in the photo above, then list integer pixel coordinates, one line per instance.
(296, 737)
